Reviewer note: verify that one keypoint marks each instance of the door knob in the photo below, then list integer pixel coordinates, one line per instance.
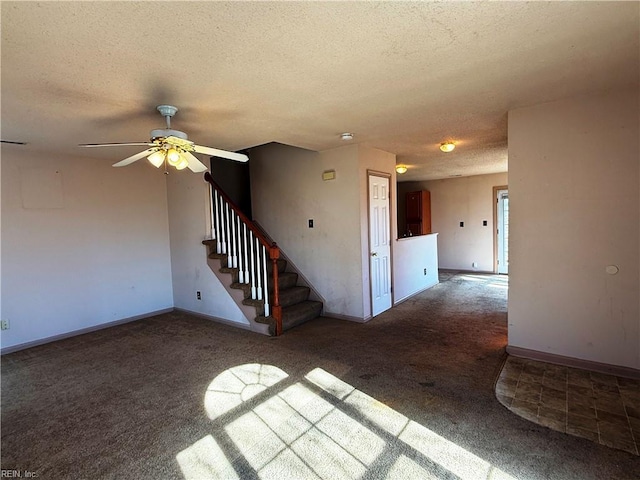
(374, 254)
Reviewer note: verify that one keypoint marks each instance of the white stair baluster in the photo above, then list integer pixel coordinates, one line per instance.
(258, 271)
(227, 214)
(218, 223)
(240, 248)
(211, 208)
(254, 293)
(234, 240)
(246, 247)
(223, 226)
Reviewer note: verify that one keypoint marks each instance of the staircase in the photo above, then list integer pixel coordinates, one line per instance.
(252, 261)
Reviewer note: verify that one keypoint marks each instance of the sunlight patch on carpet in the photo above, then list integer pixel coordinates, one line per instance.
(237, 385)
(318, 428)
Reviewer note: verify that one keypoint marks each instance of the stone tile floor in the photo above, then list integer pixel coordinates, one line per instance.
(602, 408)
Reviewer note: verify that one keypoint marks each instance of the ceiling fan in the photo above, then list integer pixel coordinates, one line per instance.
(171, 147)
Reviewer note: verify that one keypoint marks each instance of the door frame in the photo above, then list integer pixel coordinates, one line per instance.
(388, 176)
(495, 224)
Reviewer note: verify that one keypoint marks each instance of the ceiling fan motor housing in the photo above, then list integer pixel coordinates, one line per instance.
(167, 132)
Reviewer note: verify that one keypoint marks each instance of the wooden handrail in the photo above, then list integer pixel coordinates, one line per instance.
(272, 248)
(256, 231)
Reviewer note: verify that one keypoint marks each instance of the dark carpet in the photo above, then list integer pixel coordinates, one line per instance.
(408, 395)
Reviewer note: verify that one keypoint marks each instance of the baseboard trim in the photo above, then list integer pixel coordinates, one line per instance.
(349, 318)
(459, 270)
(407, 297)
(243, 326)
(616, 370)
(82, 331)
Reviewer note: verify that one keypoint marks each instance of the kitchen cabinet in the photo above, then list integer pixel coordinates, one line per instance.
(418, 213)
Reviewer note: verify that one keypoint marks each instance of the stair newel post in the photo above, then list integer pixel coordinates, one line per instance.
(267, 310)
(276, 309)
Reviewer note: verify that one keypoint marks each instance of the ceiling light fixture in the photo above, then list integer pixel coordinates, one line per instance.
(171, 155)
(401, 169)
(447, 146)
(346, 136)
(156, 158)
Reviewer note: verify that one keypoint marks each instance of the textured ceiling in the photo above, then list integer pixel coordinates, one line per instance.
(401, 76)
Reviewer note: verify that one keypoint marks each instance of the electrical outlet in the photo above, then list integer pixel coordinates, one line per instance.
(4, 325)
(198, 295)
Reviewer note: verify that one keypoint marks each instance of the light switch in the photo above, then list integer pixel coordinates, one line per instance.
(311, 223)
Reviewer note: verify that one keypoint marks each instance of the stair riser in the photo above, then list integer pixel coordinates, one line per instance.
(286, 280)
(234, 273)
(291, 296)
(282, 266)
(290, 320)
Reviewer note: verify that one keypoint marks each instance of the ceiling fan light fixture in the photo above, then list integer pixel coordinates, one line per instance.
(447, 146)
(401, 169)
(173, 157)
(156, 158)
(182, 164)
(170, 146)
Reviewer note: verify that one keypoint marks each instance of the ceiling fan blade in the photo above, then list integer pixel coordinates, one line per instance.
(195, 165)
(138, 144)
(214, 152)
(135, 157)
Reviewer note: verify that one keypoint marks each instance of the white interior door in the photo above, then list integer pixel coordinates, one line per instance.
(503, 231)
(379, 243)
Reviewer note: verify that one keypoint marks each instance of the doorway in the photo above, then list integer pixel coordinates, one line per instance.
(379, 242)
(502, 230)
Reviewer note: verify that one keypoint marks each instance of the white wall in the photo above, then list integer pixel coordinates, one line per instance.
(287, 191)
(411, 257)
(101, 255)
(189, 217)
(575, 206)
(465, 199)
